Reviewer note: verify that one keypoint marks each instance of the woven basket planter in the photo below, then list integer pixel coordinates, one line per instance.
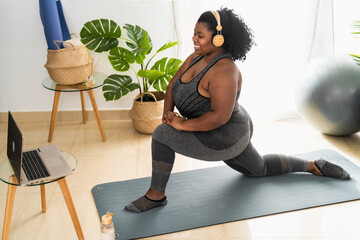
(146, 116)
(68, 66)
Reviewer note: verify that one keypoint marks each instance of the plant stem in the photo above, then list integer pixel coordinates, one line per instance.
(150, 60)
(146, 67)
(137, 79)
(144, 80)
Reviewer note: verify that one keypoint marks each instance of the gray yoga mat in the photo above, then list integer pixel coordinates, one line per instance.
(218, 195)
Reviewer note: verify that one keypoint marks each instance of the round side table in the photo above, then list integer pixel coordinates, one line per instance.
(7, 176)
(98, 81)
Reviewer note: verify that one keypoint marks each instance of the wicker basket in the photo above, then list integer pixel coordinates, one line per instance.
(70, 65)
(146, 116)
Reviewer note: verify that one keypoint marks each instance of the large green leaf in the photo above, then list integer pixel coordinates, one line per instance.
(168, 68)
(166, 46)
(120, 58)
(141, 44)
(116, 86)
(100, 35)
(356, 58)
(150, 74)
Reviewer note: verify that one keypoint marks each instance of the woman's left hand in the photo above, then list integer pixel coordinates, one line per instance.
(177, 123)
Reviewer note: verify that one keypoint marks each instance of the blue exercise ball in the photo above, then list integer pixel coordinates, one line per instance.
(328, 94)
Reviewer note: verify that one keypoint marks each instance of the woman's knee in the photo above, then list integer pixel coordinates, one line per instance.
(253, 174)
(161, 132)
(242, 169)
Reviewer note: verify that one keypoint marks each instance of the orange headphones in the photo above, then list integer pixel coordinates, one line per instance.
(218, 39)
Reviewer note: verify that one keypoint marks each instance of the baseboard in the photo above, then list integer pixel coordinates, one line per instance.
(66, 116)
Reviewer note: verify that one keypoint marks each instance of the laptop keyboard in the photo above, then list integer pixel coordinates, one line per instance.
(33, 166)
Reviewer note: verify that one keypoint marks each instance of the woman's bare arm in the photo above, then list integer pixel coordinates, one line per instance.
(169, 103)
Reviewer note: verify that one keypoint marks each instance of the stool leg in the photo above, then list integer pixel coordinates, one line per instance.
(53, 114)
(83, 106)
(69, 202)
(96, 110)
(43, 198)
(8, 211)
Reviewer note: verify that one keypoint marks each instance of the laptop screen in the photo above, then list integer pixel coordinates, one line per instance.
(14, 146)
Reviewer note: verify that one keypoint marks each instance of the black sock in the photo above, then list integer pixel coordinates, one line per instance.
(144, 203)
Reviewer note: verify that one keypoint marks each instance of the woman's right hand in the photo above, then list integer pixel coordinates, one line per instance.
(168, 117)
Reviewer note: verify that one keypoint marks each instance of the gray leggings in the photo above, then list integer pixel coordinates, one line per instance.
(167, 140)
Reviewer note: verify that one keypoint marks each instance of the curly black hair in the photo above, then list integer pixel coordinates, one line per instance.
(238, 36)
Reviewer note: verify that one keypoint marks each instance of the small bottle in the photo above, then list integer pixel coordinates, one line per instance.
(107, 227)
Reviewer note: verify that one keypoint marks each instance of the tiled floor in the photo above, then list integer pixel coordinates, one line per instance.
(126, 155)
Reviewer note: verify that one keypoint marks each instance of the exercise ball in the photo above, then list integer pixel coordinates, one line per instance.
(328, 94)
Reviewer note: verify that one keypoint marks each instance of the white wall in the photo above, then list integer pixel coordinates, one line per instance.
(23, 48)
(281, 31)
(345, 13)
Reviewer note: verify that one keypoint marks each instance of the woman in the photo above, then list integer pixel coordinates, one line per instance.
(212, 125)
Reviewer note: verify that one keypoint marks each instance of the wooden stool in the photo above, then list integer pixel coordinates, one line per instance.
(49, 84)
(8, 177)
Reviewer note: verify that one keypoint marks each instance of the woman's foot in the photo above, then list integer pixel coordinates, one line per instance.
(144, 203)
(151, 199)
(322, 167)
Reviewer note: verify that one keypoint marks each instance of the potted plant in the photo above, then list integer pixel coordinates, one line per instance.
(102, 35)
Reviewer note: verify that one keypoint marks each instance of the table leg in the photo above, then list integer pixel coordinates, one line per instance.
(83, 106)
(8, 211)
(96, 110)
(43, 198)
(53, 114)
(69, 202)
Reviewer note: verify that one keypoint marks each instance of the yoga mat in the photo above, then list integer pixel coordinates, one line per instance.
(53, 20)
(64, 28)
(218, 195)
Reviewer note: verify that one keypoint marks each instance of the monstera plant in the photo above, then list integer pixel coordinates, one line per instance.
(102, 35)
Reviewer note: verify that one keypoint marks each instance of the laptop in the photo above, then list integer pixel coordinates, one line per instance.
(37, 165)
